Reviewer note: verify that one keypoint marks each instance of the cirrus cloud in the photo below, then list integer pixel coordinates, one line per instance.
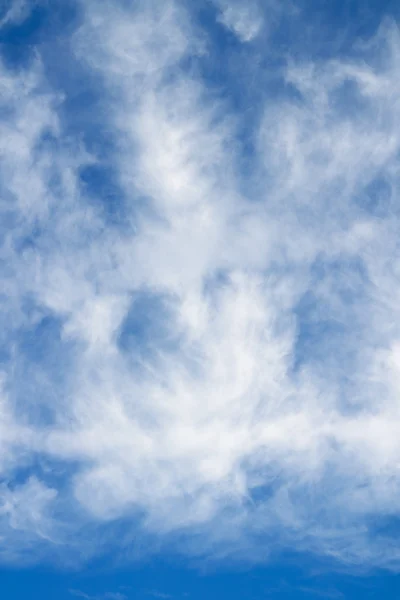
(221, 365)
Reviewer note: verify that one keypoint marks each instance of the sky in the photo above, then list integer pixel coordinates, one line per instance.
(199, 299)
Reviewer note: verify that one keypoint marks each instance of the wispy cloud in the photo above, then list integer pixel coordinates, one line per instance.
(244, 20)
(16, 12)
(222, 367)
(104, 596)
(158, 594)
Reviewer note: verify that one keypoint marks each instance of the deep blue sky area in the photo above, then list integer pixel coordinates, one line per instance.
(160, 579)
(166, 580)
(199, 284)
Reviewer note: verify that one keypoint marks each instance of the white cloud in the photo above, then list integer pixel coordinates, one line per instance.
(216, 430)
(18, 12)
(245, 20)
(26, 507)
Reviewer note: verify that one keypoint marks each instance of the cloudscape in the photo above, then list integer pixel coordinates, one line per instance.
(200, 282)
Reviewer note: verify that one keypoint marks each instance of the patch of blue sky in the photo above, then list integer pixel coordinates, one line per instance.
(331, 308)
(379, 198)
(18, 39)
(333, 322)
(42, 358)
(26, 29)
(174, 581)
(99, 183)
(147, 330)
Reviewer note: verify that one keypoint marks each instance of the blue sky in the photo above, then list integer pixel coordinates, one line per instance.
(200, 282)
